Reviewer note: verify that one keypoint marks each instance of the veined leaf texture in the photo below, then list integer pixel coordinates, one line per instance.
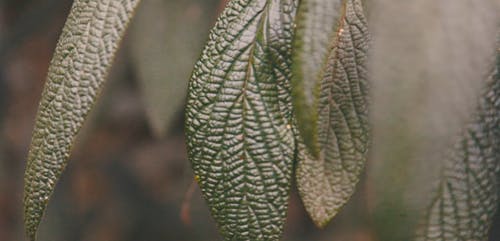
(76, 75)
(467, 196)
(318, 23)
(427, 68)
(239, 119)
(242, 135)
(333, 63)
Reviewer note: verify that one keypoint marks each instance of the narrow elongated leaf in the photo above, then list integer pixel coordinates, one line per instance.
(427, 65)
(167, 38)
(327, 182)
(77, 72)
(317, 27)
(467, 197)
(238, 121)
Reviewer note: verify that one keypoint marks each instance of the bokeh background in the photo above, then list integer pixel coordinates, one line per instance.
(128, 178)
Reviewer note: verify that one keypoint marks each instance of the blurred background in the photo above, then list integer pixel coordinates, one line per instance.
(128, 178)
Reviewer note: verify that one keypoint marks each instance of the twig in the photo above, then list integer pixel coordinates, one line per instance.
(185, 214)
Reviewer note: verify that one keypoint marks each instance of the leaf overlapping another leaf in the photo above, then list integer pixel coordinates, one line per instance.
(238, 118)
(326, 182)
(76, 75)
(317, 27)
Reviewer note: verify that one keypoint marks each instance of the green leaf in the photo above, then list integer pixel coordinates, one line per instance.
(467, 197)
(427, 68)
(317, 27)
(163, 54)
(77, 72)
(327, 182)
(239, 119)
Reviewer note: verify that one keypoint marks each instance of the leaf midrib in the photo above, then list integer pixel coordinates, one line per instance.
(245, 102)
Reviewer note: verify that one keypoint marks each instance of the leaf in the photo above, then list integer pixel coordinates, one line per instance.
(466, 199)
(163, 54)
(76, 75)
(238, 119)
(317, 25)
(426, 65)
(326, 183)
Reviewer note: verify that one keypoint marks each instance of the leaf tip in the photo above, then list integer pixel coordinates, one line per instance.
(32, 218)
(321, 224)
(30, 228)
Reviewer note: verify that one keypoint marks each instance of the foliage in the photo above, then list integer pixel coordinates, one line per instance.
(77, 72)
(339, 113)
(282, 88)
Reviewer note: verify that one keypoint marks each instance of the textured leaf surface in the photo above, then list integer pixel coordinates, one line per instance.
(77, 72)
(317, 26)
(428, 65)
(238, 122)
(467, 198)
(167, 38)
(326, 183)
